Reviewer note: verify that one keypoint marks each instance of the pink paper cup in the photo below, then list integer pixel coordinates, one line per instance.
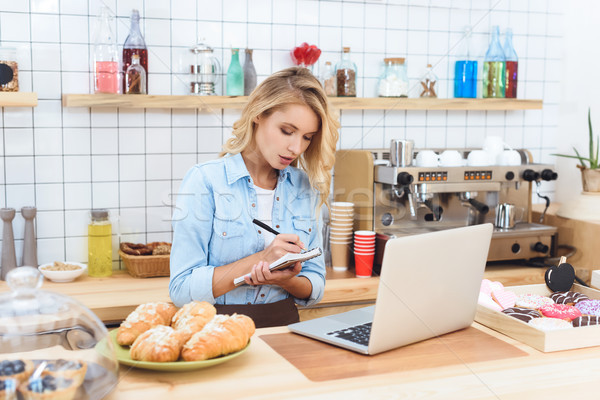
(363, 265)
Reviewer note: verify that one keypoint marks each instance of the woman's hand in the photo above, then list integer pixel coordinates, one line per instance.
(262, 275)
(282, 244)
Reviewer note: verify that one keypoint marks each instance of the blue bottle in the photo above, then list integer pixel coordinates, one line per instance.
(465, 71)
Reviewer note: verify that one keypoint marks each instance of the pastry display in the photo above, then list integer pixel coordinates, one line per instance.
(589, 307)
(550, 324)
(192, 317)
(586, 320)
(523, 314)
(560, 311)
(144, 317)
(16, 369)
(486, 301)
(223, 335)
(48, 388)
(159, 344)
(69, 369)
(569, 298)
(534, 301)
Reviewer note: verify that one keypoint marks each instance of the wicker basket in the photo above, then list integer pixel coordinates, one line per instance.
(146, 266)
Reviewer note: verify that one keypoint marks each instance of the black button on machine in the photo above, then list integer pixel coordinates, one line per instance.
(387, 219)
(509, 176)
(540, 247)
(515, 248)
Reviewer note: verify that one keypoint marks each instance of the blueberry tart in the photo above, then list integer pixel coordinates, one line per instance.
(8, 389)
(16, 369)
(48, 388)
(69, 369)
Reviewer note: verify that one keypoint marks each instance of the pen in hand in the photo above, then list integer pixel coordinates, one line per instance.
(268, 228)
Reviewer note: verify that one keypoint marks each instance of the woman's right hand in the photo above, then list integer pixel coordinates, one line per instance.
(282, 244)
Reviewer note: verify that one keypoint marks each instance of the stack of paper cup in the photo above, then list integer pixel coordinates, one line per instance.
(340, 234)
(364, 253)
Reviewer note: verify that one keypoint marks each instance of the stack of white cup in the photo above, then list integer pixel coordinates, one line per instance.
(340, 234)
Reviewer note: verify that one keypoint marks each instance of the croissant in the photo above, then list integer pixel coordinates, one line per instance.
(159, 344)
(192, 317)
(223, 335)
(144, 317)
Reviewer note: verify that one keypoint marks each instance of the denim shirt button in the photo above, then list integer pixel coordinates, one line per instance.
(249, 303)
(224, 233)
(253, 204)
(310, 229)
(276, 226)
(277, 198)
(259, 232)
(262, 295)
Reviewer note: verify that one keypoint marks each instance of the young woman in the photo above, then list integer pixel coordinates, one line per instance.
(275, 168)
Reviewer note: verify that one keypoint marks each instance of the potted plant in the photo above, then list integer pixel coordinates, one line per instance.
(590, 175)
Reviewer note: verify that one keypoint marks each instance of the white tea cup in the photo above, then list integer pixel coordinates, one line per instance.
(451, 158)
(427, 158)
(509, 157)
(478, 158)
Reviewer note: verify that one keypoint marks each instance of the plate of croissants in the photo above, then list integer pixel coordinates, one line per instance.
(159, 336)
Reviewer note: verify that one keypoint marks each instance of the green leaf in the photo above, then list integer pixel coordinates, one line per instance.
(581, 158)
(596, 158)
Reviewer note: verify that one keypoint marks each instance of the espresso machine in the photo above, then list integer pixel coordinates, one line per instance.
(409, 200)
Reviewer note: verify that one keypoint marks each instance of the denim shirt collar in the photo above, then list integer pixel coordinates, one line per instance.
(235, 169)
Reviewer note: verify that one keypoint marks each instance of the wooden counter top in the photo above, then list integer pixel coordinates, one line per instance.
(113, 298)
(261, 373)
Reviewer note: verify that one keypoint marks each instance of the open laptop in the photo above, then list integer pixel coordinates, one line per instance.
(429, 286)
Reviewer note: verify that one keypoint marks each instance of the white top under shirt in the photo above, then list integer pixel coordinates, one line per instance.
(264, 200)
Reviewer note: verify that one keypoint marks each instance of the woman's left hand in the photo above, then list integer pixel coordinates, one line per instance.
(262, 275)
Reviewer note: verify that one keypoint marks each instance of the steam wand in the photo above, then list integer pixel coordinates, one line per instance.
(537, 191)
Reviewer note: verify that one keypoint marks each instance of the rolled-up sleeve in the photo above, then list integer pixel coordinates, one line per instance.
(314, 269)
(191, 276)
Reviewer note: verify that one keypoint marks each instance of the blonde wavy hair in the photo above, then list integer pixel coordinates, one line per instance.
(294, 85)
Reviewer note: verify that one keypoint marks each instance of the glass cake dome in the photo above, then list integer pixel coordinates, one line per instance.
(51, 346)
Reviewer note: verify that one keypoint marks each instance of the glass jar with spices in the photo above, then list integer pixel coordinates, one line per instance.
(9, 70)
(345, 72)
(135, 78)
(428, 82)
(394, 80)
(328, 79)
(99, 244)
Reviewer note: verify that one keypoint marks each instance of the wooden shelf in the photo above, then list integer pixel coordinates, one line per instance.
(18, 99)
(346, 103)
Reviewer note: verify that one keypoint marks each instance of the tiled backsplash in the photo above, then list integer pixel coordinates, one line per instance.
(66, 161)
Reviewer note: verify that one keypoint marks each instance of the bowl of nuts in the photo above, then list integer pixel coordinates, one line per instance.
(62, 271)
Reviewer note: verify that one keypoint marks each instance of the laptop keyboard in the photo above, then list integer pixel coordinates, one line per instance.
(357, 334)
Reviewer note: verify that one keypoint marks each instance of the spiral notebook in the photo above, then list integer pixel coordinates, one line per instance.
(285, 261)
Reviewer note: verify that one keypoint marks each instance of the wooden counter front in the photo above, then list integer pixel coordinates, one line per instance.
(262, 373)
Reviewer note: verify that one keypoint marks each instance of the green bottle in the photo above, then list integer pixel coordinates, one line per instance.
(235, 75)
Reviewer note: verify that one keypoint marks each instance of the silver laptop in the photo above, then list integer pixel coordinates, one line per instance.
(429, 285)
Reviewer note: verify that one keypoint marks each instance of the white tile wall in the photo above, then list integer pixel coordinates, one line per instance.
(68, 160)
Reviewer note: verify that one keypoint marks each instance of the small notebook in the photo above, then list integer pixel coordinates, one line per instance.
(285, 261)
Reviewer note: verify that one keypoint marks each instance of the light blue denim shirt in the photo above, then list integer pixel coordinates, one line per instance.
(212, 225)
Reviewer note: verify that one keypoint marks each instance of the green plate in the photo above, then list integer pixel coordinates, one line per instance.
(123, 357)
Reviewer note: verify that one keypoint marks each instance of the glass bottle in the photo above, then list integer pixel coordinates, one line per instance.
(345, 72)
(494, 68)
(99, 244)
(135, 44)
(135, 77)
(394, 80)
(512, 66)
(328, 79)
(235, 75)
(465, 70)
(428, 82)
(249, 73)
(106, 56)
(204, 70)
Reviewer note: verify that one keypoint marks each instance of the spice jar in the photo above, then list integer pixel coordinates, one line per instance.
(99, 244)
(428, 82)
(9, 70)
(135, 77)
(394, 80)
(328, 79)
(345, 72)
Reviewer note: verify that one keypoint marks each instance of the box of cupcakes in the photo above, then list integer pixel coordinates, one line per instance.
(558, 315)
